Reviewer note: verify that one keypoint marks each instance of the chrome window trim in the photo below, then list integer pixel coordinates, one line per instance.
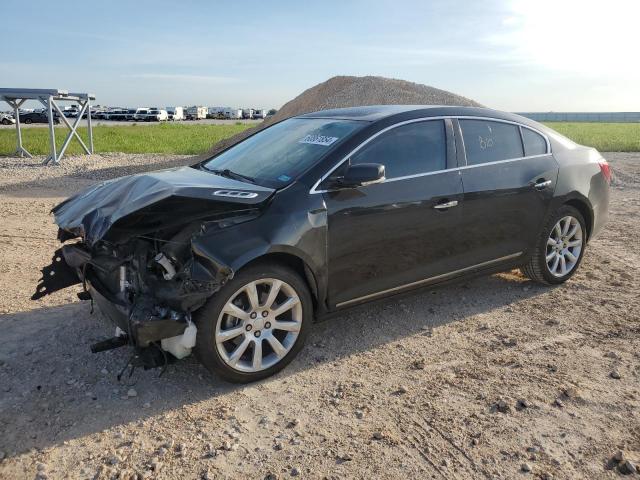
(359, 147)
(416, 175)
(524, 148)
(314, 189)
(428, 280)
(502, 161)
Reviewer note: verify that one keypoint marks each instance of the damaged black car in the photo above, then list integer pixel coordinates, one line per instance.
(233, 258)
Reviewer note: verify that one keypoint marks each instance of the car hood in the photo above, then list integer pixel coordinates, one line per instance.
(137, 204)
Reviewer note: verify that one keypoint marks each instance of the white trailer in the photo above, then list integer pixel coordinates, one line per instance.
(175, 113)
(225, 113)
(196, 113)
(260, 113)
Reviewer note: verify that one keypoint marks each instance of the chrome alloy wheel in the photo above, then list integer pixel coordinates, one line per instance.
(564, 246)
(258, 325)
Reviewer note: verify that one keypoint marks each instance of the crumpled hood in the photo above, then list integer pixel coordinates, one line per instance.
(144, 202)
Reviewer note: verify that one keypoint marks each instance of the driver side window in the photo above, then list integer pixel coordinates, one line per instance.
(410, 149)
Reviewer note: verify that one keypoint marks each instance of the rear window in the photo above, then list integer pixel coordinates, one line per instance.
(534, 143)
(487, 141)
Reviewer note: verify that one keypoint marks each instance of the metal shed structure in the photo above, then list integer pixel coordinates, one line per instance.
(16, 97)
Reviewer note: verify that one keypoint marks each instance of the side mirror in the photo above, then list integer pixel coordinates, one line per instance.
(362, 174)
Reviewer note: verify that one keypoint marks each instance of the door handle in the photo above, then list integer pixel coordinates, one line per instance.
(542, 185)
(444, 206)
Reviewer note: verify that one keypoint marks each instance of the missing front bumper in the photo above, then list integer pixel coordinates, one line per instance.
(140, 321)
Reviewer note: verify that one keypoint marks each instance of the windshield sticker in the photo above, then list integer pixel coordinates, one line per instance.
(318, 140)
(284, 178)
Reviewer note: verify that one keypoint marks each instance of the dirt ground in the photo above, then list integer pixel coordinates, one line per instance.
(493, 378)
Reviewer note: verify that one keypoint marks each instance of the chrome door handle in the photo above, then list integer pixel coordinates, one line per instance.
(542, 185)
(443, 206)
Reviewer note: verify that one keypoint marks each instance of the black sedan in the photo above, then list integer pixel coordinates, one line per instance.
(37, 117)
(235, 256)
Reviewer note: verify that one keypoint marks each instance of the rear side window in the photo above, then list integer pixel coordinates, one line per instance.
(486, 141)
(534, 143)
(410, 149)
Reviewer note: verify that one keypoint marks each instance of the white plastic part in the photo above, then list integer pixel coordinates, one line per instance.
(120, 332)
(169, 269)
(181, 345)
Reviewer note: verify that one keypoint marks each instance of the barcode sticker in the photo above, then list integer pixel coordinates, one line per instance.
(319, 140)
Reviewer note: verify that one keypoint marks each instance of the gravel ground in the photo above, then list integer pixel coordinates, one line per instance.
(493, 378)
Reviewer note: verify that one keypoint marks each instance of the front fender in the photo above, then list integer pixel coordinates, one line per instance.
(285, 227)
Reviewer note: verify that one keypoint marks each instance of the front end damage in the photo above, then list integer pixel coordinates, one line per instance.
(147, 291)
(142, 266)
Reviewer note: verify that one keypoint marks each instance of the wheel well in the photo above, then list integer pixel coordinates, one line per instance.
(297, 265)
(584, 209)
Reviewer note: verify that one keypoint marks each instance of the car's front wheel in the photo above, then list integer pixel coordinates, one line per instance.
(559, 249)
(254, 325)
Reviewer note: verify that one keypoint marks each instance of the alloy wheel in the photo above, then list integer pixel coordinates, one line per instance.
(258, 325)
(564, 246)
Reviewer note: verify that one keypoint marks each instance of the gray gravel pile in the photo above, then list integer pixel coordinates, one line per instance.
(341, 92)
(344, 91)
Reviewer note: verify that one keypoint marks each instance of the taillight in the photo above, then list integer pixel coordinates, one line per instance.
(605, 169)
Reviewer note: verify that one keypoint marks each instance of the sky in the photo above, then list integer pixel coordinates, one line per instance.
(515, 55)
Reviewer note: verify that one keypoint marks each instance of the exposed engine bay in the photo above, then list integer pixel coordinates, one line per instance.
(147, 287)
(146, 261)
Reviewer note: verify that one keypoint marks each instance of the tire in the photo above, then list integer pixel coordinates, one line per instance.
(541, 271)
(217, 357)
(5, 121)
(28, 121)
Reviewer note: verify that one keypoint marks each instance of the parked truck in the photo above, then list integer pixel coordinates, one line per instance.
(175, 113)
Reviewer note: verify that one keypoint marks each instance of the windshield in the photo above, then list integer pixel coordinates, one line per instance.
(277, 155)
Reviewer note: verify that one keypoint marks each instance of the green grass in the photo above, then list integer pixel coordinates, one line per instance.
(194, 139)
(606, 137)
(160, 138)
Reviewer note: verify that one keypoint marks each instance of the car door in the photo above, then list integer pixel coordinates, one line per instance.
(387, 235)
(508, 186)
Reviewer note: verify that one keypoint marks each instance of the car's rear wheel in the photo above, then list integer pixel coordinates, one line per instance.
(559, 249)
(28, 120)
(254, 325)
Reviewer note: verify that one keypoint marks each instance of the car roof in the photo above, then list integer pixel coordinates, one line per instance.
(375, 113)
